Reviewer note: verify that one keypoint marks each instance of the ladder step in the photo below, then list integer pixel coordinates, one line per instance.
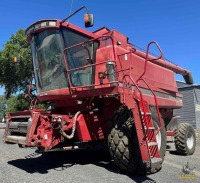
(152, 143)
(155, 163)
(156, 160)
(149, 128)
(147, 113)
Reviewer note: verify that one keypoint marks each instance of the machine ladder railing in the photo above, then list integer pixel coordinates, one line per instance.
(147, 140)
(69, 70)
(156, 105)
(141, 99)
(142, 79)
(149, 134)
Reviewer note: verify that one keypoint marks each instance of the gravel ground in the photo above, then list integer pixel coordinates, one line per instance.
(197, 135)
(24, 165)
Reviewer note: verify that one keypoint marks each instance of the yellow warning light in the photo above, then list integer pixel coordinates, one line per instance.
(102, 75)
(86, 18)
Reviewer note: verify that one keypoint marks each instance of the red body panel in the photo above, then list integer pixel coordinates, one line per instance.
(89, 109)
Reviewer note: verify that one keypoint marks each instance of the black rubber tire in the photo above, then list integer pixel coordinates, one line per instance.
(123, 143)
(21, 146)
(125, 152)
(39, 150)
(182, 133)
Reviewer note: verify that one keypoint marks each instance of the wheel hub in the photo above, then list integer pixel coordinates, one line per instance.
(190, 140)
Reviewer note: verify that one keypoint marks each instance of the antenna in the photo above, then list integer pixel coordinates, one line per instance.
(70, 10)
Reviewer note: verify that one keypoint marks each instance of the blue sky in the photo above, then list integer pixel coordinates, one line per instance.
(174, 24)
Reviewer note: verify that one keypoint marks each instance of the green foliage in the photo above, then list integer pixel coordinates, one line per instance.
(15, 76)
(17, 103)
(13, 104)
(3, 107)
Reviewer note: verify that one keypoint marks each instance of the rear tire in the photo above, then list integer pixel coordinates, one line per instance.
(185, 139)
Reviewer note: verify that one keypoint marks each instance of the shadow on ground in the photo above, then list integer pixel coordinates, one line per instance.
(171, 149)
(60, 161)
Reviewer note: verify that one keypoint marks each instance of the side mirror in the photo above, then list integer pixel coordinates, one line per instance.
(89, 20)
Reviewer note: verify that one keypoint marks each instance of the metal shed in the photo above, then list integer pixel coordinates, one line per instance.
(190, 112)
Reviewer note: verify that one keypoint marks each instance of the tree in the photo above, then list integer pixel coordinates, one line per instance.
(13, 104)
(3, 107)
(17, 103)
(15, 76)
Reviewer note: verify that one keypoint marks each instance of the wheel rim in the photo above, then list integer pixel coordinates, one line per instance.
(158, 139)
(190, 140)
(158, 136)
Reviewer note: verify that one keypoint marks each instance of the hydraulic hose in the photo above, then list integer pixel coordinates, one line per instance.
(73, 127)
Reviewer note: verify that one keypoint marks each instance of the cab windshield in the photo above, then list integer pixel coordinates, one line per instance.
(48, 59)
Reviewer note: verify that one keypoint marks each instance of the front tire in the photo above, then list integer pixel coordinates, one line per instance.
(123, 142)
(185, 139)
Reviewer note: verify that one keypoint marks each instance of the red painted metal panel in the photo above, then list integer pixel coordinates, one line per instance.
(170, 133)
(82, 129)
(156, 86)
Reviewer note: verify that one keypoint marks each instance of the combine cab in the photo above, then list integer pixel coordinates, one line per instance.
(100, 88)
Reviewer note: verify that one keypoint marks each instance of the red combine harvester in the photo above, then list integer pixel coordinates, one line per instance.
(99, 88)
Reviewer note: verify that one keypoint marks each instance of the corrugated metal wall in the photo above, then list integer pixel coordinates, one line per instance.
(197, 105)
(181, 84)
(187, 112)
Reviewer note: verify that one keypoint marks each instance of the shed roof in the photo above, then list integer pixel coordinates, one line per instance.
(181, 84)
